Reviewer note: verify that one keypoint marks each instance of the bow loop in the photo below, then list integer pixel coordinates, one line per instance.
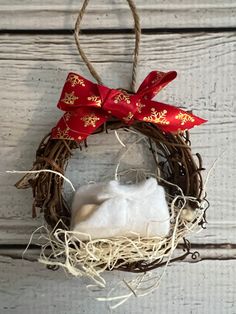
(89, 105)
(154, 82)
(78, 92)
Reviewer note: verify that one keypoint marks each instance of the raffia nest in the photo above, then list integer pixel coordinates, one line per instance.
(177, 168)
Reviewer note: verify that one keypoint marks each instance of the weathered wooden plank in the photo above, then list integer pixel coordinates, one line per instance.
(60, 14)
(33, 69)
(27, 287)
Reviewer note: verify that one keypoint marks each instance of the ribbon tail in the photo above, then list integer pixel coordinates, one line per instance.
(154, 83)
(79, 124)
(167, 117)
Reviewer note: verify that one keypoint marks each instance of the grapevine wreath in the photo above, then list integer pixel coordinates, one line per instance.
(94, 108)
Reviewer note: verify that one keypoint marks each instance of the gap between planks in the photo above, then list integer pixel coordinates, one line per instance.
(206, 252)
(145, 31)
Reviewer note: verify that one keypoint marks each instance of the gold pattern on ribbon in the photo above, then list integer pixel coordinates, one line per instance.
(69, 98)
(63, 134)
(75, 80)
(96, 99)
(157, 117)
(122, 97)
(140, 106)
(184, 117)
(90, 119)
(129, 117)
(67, 116)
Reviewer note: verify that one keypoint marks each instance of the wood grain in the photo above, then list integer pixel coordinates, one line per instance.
(33, 70)
(34, 289)
(115, 14)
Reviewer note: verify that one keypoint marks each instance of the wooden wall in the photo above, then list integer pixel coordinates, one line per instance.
(37, 49)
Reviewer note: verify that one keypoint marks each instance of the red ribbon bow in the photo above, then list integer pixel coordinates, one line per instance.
(89, 105)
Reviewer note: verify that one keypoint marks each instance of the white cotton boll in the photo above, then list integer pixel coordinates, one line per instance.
(88, 194)
(113, 189)
(105, 222)
(105, 210)
(84, 213)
